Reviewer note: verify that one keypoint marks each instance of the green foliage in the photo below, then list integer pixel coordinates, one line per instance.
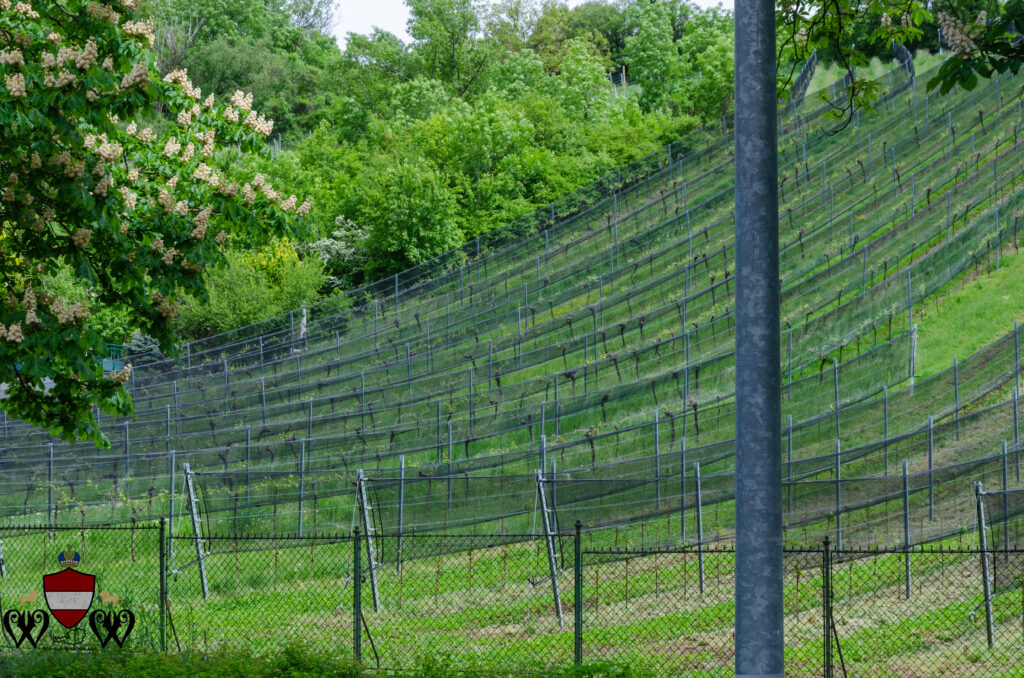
(252, 286)
(130, 220)
(651, 54)
(295, 661)
(413, 217)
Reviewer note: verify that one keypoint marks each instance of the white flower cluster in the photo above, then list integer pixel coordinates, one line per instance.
(180, 77)
(207, 138)
(69, 312)
(201, 220)
(243, 101)
(958, 36)
(167, 309)
(109, 152)
(142, 29)
(12, 58)
(130, 198)
(304, 208)
(26, 10)
(172, 147)
(121, 376)
(102, 12)
(139, 75)
(87, 56)
(15, 84)
(12, 333)
(5, 5)
(81, 237)
(259, 124)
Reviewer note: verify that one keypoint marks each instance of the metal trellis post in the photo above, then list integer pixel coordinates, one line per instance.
(549, 540)
(200, 552)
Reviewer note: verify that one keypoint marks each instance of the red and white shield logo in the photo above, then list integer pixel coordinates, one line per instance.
(69, 595)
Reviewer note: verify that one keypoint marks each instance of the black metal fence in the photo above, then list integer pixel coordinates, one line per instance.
(533, 605)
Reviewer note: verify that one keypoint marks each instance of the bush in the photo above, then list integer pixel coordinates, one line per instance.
(253, 286)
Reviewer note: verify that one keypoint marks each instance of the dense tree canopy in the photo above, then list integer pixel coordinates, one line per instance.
(98, 210)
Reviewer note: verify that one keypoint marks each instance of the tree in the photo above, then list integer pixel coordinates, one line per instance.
(511, 22)
(91, 192)
(582, 85)
(413, 217)
(650, 53)
(981, 49)
(446, 40)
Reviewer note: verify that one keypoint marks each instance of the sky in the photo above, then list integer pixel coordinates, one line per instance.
(361, 16)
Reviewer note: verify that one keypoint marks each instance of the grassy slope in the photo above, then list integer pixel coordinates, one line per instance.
(971, 315)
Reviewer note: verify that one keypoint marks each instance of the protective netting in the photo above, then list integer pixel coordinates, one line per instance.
(598, 350)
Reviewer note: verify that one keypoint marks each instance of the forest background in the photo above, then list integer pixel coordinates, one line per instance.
(411, 148)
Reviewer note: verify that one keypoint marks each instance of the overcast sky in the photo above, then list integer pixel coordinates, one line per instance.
(360, 16)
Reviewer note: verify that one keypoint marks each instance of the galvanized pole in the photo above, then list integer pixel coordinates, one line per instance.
(759, 636)
(906, 527)
(1006, 506)
(986, 583)
(835, 391)
(700, 529)
(401, 510)
(839, 497)
(931, 468)
(682, 488)
(789, 463)
(956, 397)
(657, 465)
(302, 480)
(357, 595)
(49, 490)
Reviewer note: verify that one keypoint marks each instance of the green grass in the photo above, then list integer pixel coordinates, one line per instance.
(971, 315)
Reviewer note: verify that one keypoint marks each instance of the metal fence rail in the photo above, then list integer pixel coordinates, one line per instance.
(469, 602)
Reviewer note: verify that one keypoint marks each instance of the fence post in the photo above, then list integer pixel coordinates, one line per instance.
(1016, 355)
(1006, 506)
(163, 587)
(170, 512)
(913, 358)
(577, 626)
(835, 391)
(983, 542)
(401, 510)
(682, 488)
(439, 453)
(906, 527)
(127, 454)
(839, 498)
(248, 459)
(789, 379)
(885, 425)
(1016, 433)
(789, 463)
(49, 492)
(700, 527)
(200, 552)
(448, 470)
(931, 469)
(302, 480)
(956, 396)
(657, 465)
(357, 595)
(826, 602)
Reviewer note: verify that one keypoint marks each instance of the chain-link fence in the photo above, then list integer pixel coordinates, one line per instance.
(525, 606)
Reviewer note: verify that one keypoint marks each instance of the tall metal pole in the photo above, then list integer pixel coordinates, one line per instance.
(759, 638)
